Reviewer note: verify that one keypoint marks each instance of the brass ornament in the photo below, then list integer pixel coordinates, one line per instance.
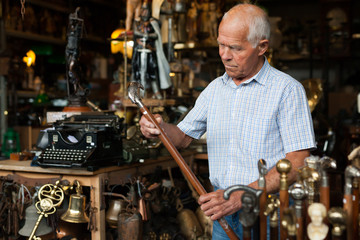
(50, 197)
(337, 217)
(283, 167)
(189, 224)
(271, 210)
(76, 211)
(116, 206)
(289, 221)
(314, 91)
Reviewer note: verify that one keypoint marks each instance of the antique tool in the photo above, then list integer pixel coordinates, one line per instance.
(337, 217)
(288, 222)
(283, 167)
(317, 230)
(50, 197)
(271, 210)
(350, 173)
(133, 93)
(262, 185)
(76, 211)
(250, 206)
(298, 192)
(324, 164)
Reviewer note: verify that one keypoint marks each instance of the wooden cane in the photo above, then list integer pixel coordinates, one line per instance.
(263, 197)
(355, 206)
(299, 194)
(288, 222)
(184, 167)
(354, 157)
(324, 164)
(337, 217)
(250, 206)
(350, 173)
(283, 167)
(246, 233)
(271, 210)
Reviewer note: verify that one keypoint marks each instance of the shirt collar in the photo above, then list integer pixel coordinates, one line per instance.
(258, 77)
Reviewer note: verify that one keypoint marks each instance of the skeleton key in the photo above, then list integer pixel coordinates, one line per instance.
(50, 197)
(45, 207)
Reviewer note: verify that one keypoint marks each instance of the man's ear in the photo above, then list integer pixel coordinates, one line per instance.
(263, 46)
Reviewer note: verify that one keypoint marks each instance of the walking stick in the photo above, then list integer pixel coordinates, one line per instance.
(298, 193)
(250, 207)
(262, 185)
(288, 222)
(350, 173)
(283, 167)
(133, 90)
(310, 177)
(324, 164)
(271, 210)
(337, 217)
(354, 157)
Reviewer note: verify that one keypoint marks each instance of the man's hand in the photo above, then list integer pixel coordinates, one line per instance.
(215, 206)
(148, 129)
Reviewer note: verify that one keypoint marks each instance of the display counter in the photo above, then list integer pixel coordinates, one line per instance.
(22, 172)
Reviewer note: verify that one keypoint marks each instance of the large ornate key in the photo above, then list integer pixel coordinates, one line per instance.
(50, 197)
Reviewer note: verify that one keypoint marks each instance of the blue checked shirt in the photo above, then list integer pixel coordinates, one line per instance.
(264, 117)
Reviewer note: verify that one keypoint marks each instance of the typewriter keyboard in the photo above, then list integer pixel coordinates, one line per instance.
(65, 156)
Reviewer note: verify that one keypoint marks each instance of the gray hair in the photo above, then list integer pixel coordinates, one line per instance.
(256, 21)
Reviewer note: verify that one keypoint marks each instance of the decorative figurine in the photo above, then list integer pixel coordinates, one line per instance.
(191, 22)
(77, 94)
(132, 12)
(317, 230)
(213, 19)
(149, 64)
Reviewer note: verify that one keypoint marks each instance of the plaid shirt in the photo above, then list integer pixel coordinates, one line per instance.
(264, 117)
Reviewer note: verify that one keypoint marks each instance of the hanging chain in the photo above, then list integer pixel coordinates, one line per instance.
(22, 9)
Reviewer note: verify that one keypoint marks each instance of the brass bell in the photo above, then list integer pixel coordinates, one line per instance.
(76, 211)
(31, 217)
(116, 207)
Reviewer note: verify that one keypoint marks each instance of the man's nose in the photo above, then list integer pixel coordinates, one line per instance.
(225, 54)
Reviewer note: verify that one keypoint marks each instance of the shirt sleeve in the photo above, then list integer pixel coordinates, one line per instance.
(295, 121)
(194, 124)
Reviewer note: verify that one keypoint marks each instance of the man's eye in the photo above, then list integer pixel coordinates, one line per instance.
(233, 48)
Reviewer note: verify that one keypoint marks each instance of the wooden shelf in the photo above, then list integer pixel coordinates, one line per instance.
(151, 102)
(34, 37)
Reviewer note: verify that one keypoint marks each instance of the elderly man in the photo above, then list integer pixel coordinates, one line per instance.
(252, 111)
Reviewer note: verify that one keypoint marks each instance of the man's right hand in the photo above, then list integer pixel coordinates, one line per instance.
(148, 129)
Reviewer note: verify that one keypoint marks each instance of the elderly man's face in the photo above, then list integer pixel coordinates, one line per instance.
(240, 59)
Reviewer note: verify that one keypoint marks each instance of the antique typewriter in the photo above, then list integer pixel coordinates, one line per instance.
(84, 141)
